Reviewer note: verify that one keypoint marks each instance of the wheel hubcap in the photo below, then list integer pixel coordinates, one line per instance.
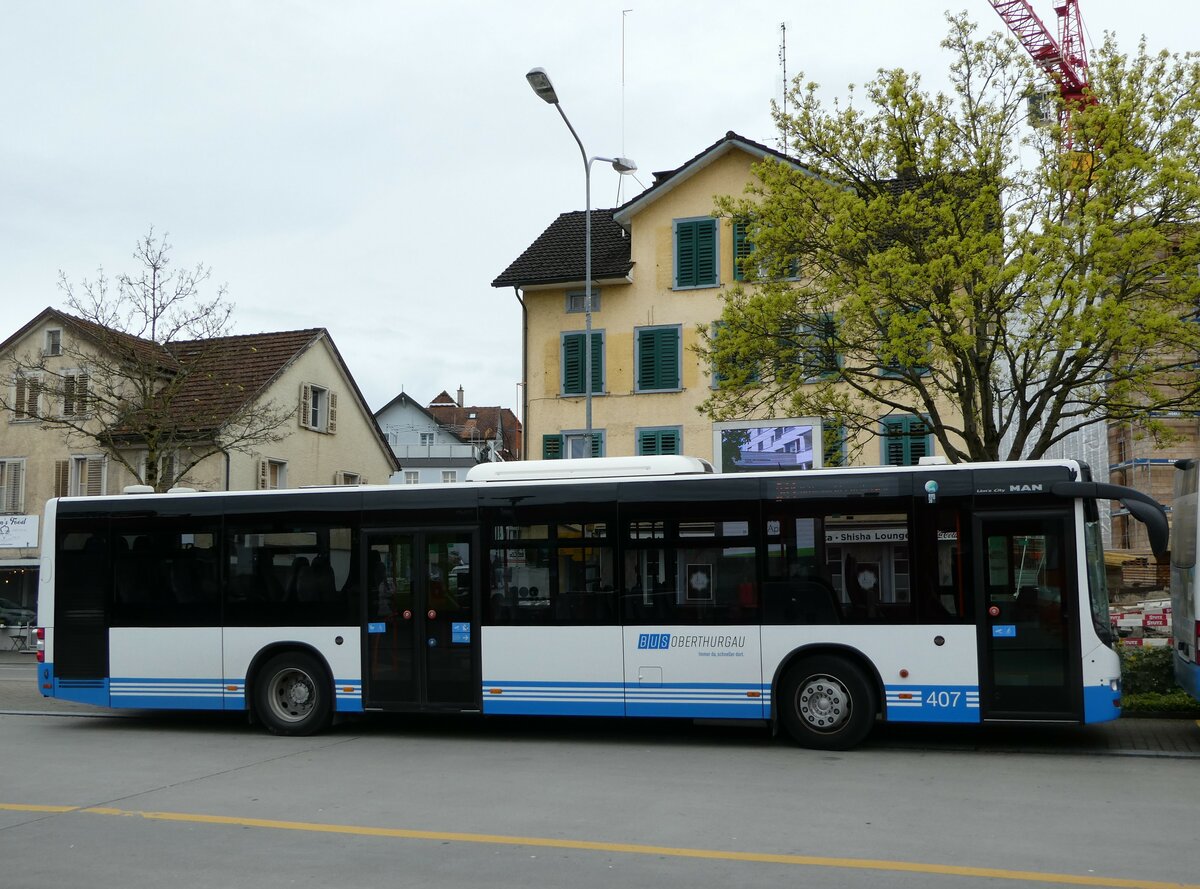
(823, 703)
(292, 695)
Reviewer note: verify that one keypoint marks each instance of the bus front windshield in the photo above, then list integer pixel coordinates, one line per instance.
(1097, 584)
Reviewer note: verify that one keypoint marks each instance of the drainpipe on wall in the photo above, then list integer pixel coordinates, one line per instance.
(524, 418)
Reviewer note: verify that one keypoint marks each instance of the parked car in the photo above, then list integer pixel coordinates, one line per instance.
(14, 615)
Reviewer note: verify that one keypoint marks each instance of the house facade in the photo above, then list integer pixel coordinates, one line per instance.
(326, 435)
(439, 443)
(661, 265)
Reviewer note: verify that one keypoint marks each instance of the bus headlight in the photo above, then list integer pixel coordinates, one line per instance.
(1115, 684)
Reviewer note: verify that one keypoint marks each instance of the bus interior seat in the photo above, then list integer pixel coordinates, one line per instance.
(299, 568)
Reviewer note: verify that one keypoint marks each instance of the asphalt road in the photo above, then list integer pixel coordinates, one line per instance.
(202, 801)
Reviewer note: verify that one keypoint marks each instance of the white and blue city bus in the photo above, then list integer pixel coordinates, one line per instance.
(819, 601)
(1185, 603)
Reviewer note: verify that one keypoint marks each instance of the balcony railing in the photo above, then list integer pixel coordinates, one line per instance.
(438, 451)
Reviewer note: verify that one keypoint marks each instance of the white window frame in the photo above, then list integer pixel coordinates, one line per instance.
(27, 390)
(577, 300)
(89, 475)
(79, 407)
(412, 477)
(428, 439)
(276, 474)
(346, 477)
(12, 485)
(575, 443)
(318, 408)
(165, 462)
(53, 342)
(449, 476)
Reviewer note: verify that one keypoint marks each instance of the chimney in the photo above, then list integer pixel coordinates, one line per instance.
(460, 396)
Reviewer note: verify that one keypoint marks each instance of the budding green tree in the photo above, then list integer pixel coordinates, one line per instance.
(933, 254)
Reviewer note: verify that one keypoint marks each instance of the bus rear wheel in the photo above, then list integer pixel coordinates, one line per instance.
(292, 695)
(827, 703)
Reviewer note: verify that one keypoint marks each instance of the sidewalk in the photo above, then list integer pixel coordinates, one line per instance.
(1129, 736)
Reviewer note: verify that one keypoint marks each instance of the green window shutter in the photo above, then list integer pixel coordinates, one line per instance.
(572, 364)
(685, 254)
(658, 441)
(706, 252)
(658, 359)
(597, 443)
(906, 441)
(552, 447)
(822, 358)
(696, 253)
(742, 248)
(834, 444)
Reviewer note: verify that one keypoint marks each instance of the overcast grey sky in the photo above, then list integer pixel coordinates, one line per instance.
(370, 167)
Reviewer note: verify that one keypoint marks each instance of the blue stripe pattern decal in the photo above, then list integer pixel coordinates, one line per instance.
(167, 694)
(182, 694)
(697, 700)
(932, 703)
(348, 695)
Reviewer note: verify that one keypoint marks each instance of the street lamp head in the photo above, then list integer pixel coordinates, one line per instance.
(540, 81)
(624, 165)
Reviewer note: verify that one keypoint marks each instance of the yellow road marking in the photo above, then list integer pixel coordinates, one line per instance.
(626, 848)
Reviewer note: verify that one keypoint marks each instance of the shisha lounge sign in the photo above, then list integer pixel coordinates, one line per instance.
(18, 531)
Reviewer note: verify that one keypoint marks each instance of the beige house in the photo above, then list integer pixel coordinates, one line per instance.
(319, 430)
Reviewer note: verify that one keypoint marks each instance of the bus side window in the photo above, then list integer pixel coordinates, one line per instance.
(943, 591)
(691, 571)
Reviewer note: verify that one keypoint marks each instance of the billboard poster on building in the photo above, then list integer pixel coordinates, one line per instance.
(793, 443)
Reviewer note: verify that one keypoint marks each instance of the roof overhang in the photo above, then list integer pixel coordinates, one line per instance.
(578, 282)
(624, 215)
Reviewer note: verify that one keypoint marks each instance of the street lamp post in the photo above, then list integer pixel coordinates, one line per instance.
(539, 80)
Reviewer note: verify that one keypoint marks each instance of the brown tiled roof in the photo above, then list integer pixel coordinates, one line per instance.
(556, 257)
(143, 351)
(225, 373)
(478, 423)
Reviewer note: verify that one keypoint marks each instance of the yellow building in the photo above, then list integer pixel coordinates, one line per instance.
(661, 265)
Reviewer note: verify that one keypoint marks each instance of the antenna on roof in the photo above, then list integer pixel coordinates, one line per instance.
(621, 179)
(783, 64)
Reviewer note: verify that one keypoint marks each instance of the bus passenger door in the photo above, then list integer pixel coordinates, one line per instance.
(420, 641)
(1029, 629)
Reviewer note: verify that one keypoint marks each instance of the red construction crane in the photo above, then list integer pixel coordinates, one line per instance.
(1064, 59)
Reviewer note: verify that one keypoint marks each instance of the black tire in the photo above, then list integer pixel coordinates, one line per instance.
(827, 703)
(293, 695)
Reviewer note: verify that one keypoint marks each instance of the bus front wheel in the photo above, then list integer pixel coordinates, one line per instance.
(827, 703)
(293, 696)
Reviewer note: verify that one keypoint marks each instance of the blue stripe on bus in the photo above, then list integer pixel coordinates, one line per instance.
(177, 694)
(682, 699)
(932, 703)
(1101, 703)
